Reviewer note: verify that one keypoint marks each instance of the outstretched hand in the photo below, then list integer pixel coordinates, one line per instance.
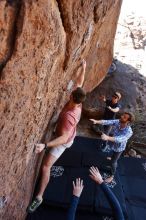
(109, 107)
(78, 187)
(102, 97)
(95, 175)
(93, 120)
(104, 137)
(39, 148)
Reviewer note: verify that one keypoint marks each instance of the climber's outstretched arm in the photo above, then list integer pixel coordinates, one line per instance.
(81, 76)
(78, 78)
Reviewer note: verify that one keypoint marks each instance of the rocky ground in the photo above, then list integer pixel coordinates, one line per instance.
(132, 85)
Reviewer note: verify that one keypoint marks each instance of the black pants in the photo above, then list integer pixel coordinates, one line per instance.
(114, 160)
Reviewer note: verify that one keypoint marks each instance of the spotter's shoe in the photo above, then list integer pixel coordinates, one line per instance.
(34, 205)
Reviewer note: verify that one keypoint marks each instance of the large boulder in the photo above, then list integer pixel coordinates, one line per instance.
(42, 45)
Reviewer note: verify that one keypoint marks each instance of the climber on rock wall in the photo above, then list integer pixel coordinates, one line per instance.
(65, 134)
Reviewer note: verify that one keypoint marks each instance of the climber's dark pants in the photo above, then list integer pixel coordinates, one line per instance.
(114, 160)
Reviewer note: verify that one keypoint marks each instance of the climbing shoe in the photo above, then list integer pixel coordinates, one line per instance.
(34, 205)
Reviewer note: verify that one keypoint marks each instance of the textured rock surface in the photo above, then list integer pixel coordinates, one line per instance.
(42, 44)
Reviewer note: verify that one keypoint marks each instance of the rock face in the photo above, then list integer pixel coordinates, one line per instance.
(42, 44)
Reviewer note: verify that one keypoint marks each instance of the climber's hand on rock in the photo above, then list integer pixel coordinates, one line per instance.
(39, 148)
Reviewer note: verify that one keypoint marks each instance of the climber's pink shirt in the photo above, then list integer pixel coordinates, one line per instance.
(68, 120)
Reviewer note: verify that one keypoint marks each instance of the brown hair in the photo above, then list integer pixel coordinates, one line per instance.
(79, 95)
(131, 116)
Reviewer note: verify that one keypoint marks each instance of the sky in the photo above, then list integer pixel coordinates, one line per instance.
(137, 6)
